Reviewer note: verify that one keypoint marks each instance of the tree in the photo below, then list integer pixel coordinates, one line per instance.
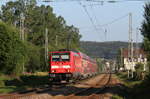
(139, 68)
(37, 19)
(12, 50)
(146, 23)
(145, 30)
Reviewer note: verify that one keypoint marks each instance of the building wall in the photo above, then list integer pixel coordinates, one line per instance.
(129, 63)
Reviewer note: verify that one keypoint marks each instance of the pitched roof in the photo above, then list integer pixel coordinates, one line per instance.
(136, 53)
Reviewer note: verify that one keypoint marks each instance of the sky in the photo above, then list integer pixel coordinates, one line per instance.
(92, 17)
(74, 13)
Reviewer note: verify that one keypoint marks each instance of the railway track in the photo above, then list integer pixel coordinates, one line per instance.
(34, 91)
(93, 89)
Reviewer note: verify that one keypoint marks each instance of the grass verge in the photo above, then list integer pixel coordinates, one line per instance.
(137, 89)
(10, 84)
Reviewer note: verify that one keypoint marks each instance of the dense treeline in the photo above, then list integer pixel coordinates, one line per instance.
(17, 56)
(107, 50)
(12, 50)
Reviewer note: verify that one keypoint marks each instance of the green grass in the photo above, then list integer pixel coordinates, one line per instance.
(7, 89)
(3, 87)
(12, 84)
(138, 89)
(127, 81)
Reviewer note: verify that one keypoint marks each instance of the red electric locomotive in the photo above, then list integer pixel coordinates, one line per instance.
(68, 65)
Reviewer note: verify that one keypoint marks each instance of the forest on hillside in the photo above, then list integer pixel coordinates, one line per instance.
(107, 50)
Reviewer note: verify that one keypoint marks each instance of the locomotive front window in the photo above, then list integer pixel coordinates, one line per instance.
(65, 57)
(55, 58)
(60, 57)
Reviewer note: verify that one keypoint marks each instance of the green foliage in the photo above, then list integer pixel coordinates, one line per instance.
(148, 66)
(33, 62)
(146, 23)
(136, 89)
(146, 31)
(37, 19)
(12, 50)
(139, 68)
(22, 83)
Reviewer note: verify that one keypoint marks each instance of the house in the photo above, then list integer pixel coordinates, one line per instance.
(139, 56)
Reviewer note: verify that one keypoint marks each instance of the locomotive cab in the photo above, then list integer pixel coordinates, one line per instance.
(60, 66)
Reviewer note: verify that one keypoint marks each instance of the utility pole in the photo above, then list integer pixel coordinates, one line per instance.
(46, 36)
(22, 34)
(105, 35)
(69, 41)
(137, 34)
(130, 46)
(132, 49)
(46, 45)
(121, 58)
(56, 40)
(22, 19)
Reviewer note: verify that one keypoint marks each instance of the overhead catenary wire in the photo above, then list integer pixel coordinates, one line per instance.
(98, 1)
(90, 18)
(113, 21)
(97, 20)
(110, 22)
(109, 1)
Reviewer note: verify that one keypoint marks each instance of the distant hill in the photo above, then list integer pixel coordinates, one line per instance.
(106, 50)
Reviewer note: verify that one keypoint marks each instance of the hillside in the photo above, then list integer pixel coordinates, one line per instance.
(106, 50)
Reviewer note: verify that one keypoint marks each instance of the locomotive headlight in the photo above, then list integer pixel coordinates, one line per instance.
(53, 71)
(54, 66)
(66, 66)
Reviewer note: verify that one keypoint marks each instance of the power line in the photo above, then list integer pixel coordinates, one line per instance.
(109, 1)
(95, 17)
(90, 18)
(92, 10)
(97, 21)
(113, 21)
(101, 1)
(109, 23)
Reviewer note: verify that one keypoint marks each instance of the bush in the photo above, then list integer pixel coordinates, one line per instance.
(2, 83)
(139, 67)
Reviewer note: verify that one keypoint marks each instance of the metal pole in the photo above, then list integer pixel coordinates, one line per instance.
(69, 41)
(131, 42)
(46, 45)
(56, 40)
(137, 29)
(22, 34)
(130, 46)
